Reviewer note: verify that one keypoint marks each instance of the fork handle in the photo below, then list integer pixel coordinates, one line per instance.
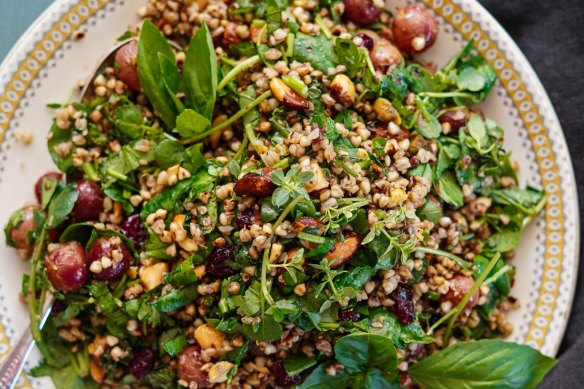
(14, 362)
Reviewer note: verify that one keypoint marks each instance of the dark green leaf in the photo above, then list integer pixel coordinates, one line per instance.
(182, 274)
(56, 138)
(169, 153)
(487, 363)
(400, 334)
(150, 45)
(200, 73)
(319, 379)
(470, 79)
(128, 120)
(267, 331)
(61, 206)
(296, 365)
(176, 299)
(431, 210)
(449, 190)
(317, 50)
(173, 341)
(360, 351)
(190, 123)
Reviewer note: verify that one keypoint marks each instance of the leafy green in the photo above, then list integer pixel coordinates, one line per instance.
(487, 363)
(152, 45)
(267, 330)
(169, 153)
(61, 205)
(528, 200)
(449, 189)
(173, 341)
(296, 365)
(67, 377)
(128, 120)
(200, 73)
(57, 137)
(190, 123)
(431, 210)
(317, 50)
(110, 308)
(176, 299)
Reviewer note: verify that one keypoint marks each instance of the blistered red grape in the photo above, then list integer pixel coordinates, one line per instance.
(37, 186)
(20, 231)
(190, 365)
(127, 61)
(89, 204)
(113, 256)
(67, 267)
(361, 11)
(384, 55)
(414, 29)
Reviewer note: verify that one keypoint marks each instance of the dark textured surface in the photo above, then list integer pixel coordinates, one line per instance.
(551, 34)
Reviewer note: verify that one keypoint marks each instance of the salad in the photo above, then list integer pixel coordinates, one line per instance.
(278, 194)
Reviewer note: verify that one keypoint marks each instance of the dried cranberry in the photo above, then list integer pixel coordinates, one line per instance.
(348, 315)
(217, 261)
(142, 363)
(118, 254)
(403, 299)
(37, 187)
(281, 375)
(89, 204)
(366, 41)
(133, 229)
(245, 219)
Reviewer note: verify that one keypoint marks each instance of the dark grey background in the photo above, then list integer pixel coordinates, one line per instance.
(551, 34)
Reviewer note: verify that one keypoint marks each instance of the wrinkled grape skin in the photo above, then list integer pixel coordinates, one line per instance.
(189, 367)
(414, 22)
(67, 267)
(127, 61)
(103, 247)
(89, 204)
(142, 363)
(361, 11)
(19, 233)
(37, 186)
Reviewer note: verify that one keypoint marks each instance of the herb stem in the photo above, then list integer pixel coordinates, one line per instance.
(229, 121)
(441, 95)
(323, 28)
(498, 274)
(266, 257)
(33, 306)
(242, 148)
(90, 171)
(460, 307)
(311, 237)
(240, 67)
(461, 262)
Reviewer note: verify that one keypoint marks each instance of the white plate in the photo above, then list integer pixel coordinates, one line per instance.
(45, 64)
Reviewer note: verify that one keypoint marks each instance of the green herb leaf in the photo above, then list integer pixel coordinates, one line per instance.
(128, 120)
(317, 50)
(268, 330)
(176, 299)
(200, 73)
(173, 341)
(470, 79)
(431, 211)
(449, 190)
(150, 45)
(487, 363)
(190, 123)
(61, 206)
(56, 138)
(296, 365)
(359, 352)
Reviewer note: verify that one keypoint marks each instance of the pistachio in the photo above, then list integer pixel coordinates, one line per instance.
(385, 111)
(343, 90)
(218, 372)
(287, 96)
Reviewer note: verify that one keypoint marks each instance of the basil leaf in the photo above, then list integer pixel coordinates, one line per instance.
(151, 45)
(200, 73)
(487, 363)
(190, 123)
(61, 206)
(400, 334)
(317, 50)
(360, 351)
